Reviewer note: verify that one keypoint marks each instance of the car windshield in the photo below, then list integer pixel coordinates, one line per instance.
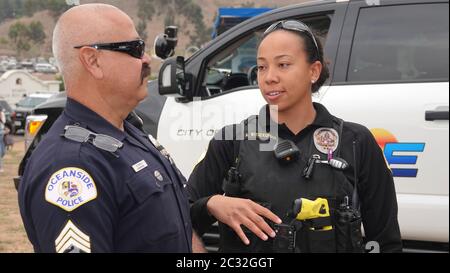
(30, 102)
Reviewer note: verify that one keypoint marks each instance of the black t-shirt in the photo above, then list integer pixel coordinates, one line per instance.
(375, 182)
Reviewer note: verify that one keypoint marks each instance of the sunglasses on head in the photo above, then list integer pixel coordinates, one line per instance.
(135, 48)
(293, 26)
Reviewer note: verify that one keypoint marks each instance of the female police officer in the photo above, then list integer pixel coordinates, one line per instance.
(321, 179)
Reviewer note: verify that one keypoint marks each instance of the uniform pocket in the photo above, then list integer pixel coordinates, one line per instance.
(157, 214)
(147, 183)
(321, 241)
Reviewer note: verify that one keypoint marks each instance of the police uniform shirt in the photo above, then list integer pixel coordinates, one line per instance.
(75, 197)
(375, 186)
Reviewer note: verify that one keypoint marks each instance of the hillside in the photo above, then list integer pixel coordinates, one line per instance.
(154, 26)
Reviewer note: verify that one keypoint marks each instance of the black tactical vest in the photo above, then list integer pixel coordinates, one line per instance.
(275, 185)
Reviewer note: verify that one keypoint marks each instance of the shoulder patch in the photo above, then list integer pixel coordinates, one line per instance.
(72, 240)
(70, 188)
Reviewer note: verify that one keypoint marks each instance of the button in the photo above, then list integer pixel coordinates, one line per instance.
(158, 176)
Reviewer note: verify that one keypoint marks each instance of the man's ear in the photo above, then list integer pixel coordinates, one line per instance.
(89, 59)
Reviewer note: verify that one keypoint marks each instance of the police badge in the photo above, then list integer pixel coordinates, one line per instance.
(160, 148)
(326, 140)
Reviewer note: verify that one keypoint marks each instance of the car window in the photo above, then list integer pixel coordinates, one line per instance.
(30, 102)
(229, 68)
(400, 43)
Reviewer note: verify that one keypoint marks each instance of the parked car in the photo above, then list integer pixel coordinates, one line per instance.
(27, 65)
(26, 105)
(389, 70)
(45, 68)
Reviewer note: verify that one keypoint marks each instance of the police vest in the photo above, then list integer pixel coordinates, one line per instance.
(275, 185)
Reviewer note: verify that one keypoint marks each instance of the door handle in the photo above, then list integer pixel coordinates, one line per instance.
(436, 115)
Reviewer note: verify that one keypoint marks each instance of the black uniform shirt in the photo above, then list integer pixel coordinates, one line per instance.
(76, 197)
(375, 186)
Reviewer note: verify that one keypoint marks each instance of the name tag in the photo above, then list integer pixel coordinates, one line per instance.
(139, 166)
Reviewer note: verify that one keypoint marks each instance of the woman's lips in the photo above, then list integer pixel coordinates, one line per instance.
(274, 95)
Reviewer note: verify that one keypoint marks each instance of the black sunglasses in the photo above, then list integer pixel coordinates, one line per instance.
(293, 26)
(80, 134)
(134, 48)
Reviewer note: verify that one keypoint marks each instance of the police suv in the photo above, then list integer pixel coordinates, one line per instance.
(389, 69)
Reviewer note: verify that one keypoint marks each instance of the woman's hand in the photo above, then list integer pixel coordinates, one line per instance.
(235, 212)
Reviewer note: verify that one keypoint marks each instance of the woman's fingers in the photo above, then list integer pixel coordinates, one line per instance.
(260, 210)
(237, 228)
(262, 225)
(254, 228)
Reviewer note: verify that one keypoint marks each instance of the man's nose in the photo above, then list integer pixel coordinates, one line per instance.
(146, 59)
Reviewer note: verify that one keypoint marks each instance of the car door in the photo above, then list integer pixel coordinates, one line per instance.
(223, 93)
(392, 76)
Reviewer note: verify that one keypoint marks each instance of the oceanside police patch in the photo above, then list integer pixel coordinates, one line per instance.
(70, 188)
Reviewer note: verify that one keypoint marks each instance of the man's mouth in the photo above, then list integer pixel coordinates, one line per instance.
(145, 72)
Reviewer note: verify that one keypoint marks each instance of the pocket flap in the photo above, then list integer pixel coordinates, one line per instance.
(146, 183)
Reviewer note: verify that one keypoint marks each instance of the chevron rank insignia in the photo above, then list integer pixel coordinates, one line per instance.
(72, 240)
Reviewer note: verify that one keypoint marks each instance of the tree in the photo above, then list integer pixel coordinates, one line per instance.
(145, 13)
(172, 9)
(30, 7)
(22, 35)
(17, 8)
(18, 31)
(19, 34)
(22, 45)
(6, 10)
(36, 32)
(56, 7)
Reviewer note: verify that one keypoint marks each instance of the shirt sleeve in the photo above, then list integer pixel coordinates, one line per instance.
(61, 214)
(377, 195)
(206, 181)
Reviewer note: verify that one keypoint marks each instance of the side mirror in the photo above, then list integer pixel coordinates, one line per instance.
(165, 43)
(172, 78)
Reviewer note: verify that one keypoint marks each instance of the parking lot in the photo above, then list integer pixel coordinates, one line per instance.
(12, 233)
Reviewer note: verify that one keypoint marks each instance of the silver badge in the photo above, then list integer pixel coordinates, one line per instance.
(326, 140)
(158, 175)
(154, 141)
(160, 148)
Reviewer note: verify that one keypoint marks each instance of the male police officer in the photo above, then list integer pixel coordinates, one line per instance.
(96, 183)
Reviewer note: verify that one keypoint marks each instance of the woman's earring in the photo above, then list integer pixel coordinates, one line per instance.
(313, 81)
